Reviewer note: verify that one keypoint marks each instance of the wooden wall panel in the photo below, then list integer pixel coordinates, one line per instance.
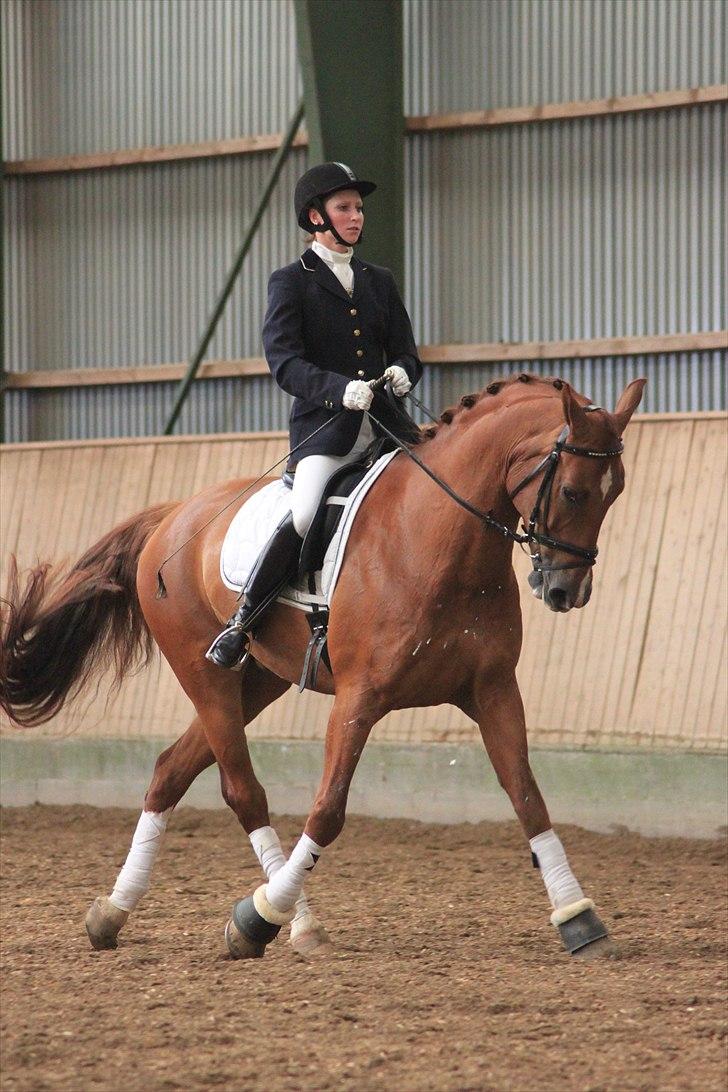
(642, 666)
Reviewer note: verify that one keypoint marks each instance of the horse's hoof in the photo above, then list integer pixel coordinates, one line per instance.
(603, 948)
(582, 930)
(251, 924)
(103, 922)
(240, 946)
(309, 938)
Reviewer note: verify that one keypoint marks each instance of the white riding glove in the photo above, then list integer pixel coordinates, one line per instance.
(357, 395)
(399, 379)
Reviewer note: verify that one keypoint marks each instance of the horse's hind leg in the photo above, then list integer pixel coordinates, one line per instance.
(225, 703)
(175, 770)
(498, 709)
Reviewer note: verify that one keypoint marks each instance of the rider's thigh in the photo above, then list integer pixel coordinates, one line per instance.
(311, 476)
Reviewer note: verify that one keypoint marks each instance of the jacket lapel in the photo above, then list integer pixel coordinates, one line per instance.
(323, 275)
(362, 283)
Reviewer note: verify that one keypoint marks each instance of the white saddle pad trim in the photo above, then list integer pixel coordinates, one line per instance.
(334, 558)
(254, 523)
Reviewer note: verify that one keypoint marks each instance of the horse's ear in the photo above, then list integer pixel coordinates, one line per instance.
(574, 414)
(628, 402)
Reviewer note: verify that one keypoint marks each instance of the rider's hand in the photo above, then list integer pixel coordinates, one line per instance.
(358, 395)
(399, 379)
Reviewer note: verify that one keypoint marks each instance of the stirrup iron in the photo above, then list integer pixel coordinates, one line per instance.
(216, 653)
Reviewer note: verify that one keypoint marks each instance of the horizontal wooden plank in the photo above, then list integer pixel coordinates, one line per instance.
(132, 441)
(138, 373)
(427, 123)
(576, 349)
(248, 437)
(485, 352)
(555, 111)
(161, 153)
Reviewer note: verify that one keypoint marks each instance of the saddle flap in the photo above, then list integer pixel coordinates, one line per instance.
(328, 516)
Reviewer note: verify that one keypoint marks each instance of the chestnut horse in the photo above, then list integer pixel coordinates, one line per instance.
(426, 612)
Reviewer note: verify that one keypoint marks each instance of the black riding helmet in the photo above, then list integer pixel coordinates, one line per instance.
(319, 183)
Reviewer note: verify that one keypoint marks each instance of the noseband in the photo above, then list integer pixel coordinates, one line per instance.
(547, 467)
(540, 511)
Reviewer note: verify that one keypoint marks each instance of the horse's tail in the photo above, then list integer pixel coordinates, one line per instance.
(62, 628)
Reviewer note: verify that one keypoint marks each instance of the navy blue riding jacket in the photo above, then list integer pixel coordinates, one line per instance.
(317, 339)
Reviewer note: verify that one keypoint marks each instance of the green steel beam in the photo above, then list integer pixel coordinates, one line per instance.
(350, 53)
(2, 284)
(194, 364)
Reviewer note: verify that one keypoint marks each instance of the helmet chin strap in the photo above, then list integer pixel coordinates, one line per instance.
(328, 226)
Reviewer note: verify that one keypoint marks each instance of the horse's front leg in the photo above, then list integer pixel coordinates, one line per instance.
(498, 709)
(224, 711)
(260, 916)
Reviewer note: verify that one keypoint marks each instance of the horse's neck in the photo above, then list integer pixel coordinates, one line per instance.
(473, 461)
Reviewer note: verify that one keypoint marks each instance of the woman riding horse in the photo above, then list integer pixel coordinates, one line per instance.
(333, 324)
(429, 556)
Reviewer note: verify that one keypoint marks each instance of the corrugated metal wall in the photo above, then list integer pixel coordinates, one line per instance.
(95, 75)
(484, 54)
(594, 227)
(118, 267)
(234, 405)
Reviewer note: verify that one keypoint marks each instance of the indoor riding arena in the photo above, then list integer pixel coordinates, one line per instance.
(550, 200)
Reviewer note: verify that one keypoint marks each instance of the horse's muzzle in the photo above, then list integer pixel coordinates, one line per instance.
(565, 590)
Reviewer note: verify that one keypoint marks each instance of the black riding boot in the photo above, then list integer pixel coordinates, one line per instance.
(275, 567)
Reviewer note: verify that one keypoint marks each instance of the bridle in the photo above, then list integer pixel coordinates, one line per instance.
(540, 511)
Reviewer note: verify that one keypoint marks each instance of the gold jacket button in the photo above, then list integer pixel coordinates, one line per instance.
(353, 311)
(357, 333)
(360, 352)
(361, 374)
(328, 404)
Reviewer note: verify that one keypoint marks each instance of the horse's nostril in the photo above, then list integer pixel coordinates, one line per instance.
(557, 599)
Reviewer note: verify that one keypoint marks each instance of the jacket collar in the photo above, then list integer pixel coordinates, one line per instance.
(327, 279)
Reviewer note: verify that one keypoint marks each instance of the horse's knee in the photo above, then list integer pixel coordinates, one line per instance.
(248, 802)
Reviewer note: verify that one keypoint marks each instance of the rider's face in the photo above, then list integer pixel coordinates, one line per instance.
(346, 212)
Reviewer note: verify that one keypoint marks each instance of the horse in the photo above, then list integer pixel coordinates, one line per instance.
(426, 612)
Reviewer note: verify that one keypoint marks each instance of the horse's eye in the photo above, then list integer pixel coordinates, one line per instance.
(571, 495)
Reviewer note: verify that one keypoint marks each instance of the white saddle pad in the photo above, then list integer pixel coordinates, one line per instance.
(258, 518)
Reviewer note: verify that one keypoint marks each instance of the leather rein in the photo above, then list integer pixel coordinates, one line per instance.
(539, 513)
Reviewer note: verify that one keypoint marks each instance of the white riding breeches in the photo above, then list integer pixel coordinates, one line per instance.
(314, 471)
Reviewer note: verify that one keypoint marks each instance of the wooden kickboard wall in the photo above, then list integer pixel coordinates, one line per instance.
(643, 665)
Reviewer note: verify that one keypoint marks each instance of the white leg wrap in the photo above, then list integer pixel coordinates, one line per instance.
(135, 877)
(270, 853)
(303, 910)
(561, 884)
(285, 886)
(268, 850)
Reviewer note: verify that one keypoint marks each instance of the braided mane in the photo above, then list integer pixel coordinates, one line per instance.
(468, 401)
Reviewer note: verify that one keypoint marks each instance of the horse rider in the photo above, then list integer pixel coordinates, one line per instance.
(333, 323)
